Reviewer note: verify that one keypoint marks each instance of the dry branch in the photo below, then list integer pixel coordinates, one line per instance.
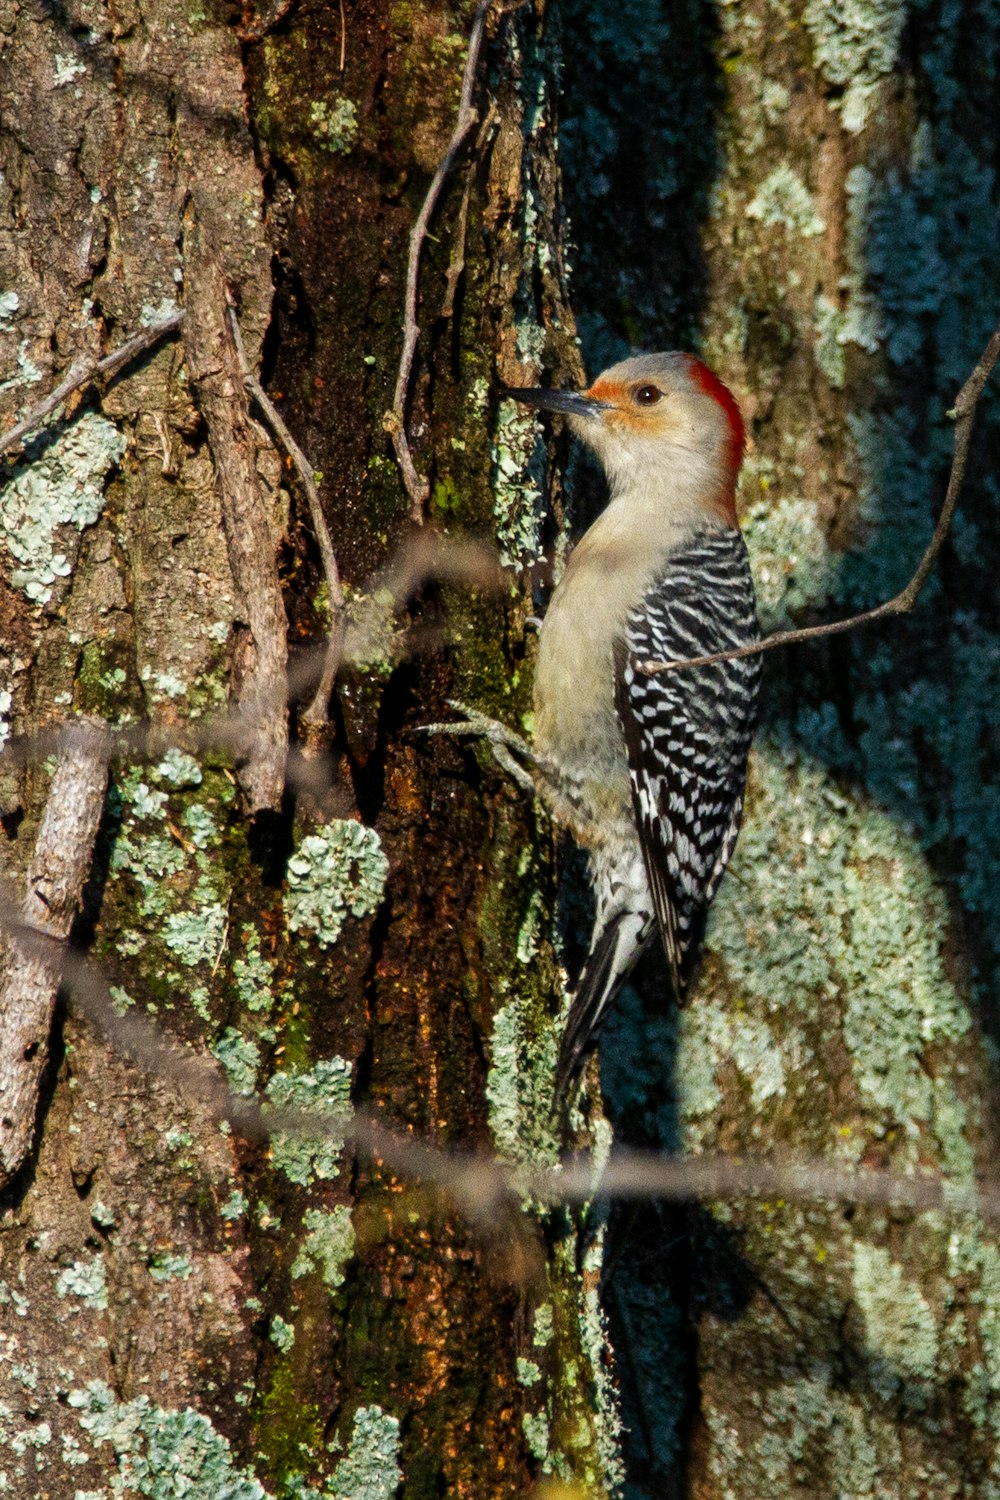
(395, 420)
(963, 413)
(56, 878)
(483, 1186)
(86, 368)
(316, 713)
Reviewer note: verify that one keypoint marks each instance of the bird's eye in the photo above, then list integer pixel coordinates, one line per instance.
(646, 395)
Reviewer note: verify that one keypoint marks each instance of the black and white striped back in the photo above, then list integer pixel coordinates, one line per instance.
(688, 732)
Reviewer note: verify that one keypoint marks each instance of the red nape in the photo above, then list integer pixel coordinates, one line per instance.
(712, 386)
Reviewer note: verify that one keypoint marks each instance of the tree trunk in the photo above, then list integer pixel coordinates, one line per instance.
(184, 1307)
(378, 922)
(809, 194)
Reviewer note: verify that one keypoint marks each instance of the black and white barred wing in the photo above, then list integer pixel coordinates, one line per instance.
(688, 732)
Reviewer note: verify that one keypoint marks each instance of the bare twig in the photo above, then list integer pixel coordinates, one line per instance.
(395, 420)
(85, 368)
(424, 556)
(58, 872)
(963, 413)
(316, 713)
(481, 1185)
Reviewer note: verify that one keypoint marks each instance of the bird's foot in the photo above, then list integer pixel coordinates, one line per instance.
(503, 742)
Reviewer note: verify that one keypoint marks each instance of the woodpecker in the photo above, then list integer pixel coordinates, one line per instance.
(648, 769)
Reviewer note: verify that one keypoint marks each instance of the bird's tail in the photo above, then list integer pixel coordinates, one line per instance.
(620, 939)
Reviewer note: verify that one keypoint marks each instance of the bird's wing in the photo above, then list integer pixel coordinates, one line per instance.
(687, 733)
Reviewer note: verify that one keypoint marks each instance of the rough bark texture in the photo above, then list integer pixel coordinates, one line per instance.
(811, 198)
(182, 1310)
(60, 867)
(834, 169)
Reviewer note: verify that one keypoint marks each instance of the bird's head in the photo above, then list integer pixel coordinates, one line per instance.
(655, 421)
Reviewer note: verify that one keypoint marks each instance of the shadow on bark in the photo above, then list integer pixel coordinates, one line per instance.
(904, 714)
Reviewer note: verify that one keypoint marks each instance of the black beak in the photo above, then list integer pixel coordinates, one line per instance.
(569, 403)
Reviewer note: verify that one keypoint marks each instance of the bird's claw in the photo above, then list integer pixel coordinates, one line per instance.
(505, 743)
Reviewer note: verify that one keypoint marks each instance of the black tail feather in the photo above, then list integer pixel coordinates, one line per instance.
(595, 990)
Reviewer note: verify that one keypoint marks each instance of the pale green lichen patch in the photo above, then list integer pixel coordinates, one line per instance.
(173, 891)
(518, 455)
(196, 937)
(241, 1059)
(855, 44)
(715, 1036)
(252, 973)
(372, 641)
(281, 1334)
(793, 567)
(881, 964)
(535, 1426)
(57, 493)
(519, 1088)
(339, 870)
(830, 337)
(328, 1245)
(783, 198)
(323, 1090)
(169, 1266)
(605, 1428)
(334, 124)
(178, 769)
(900, 1331)
(161, 1453)
(370, 1468)
(234, 1207)
(85, 1280)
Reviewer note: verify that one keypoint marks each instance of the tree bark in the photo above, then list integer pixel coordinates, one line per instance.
(366, 925)
(809, 195)
(379, 922)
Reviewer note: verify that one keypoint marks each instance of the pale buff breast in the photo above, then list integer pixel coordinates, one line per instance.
(577, 734)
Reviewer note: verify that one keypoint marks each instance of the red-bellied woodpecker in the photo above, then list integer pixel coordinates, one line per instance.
(647, 769)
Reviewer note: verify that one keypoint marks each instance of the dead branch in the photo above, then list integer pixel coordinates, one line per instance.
(963, 414)
(86, 368)
(456, 266)
(316, 713)
(394, 421)
(56, 877)
(482, 1185)
(424, 557)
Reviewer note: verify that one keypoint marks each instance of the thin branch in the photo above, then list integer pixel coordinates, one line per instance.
(316, 713)
(425, 557)
(963, 413)
(481, 1185)
(394, 421)
(86, 368)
